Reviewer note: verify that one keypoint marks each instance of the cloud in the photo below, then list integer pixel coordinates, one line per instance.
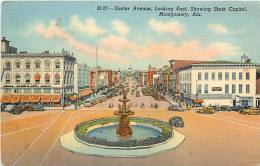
(120, 27)
(118, 43)
(53, 30)
(187, 50)
(88, 27)
(173, 27)
(218, 28)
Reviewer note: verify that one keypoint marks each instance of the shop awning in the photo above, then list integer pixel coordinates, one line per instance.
(85, 92)
(198, 101)
(46, 98)
(15, 98)
(73, 98)
(55, 98)
(35, 98)
(25, 98)
(5, 98)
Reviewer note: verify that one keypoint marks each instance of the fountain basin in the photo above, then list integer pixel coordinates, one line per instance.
(101, 132)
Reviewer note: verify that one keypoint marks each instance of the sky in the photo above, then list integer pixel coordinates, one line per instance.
(132, 37)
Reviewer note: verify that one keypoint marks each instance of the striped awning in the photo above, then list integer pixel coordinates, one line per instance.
(46, 98)
(55, 98)
(15, 99)
(25, 98)
(35, 98)
(5, 98)
(85, 92)
(198, 100)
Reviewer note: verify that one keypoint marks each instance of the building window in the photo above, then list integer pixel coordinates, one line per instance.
(199, 75)
(17, 90)
(57, 90)
(57, 79)
(37, 78)
(47, 79)
(17, 78)
(37, 65)
(213, 76)
(206, 75)
(27, 65)
(206, 88)
(247, 88)
(27, 78)
(247, 76)
(17, 65)
(233, 88)
(219, 76)
(47, 90)
(7, 79)
(240, 88)
(226, 76)
(240, 75)
(57, 65)
(8, 65)
(37, 90)
(234, 76)
(226, 88)
(47, 64)
(7, 90)
(199, 88)
(27, 90)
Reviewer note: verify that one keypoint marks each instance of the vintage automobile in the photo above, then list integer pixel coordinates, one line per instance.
(252, 111)
(28, 107)
(175, 108)
(8, 107)
(237, 108)
(176, 121)
(38, 107)
(206, 110)
(18, 109)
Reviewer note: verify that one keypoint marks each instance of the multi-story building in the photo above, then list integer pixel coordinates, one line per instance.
(100, 78)
(173, 74)
(151, 71)
(37, 77)
(83, 75)
(219, 83)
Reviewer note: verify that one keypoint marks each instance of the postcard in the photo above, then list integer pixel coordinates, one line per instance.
(123, 83)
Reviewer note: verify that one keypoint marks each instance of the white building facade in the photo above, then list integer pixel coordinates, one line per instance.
(83, 75)
(219, 84)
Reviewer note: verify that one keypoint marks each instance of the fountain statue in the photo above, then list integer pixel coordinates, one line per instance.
(124, 129)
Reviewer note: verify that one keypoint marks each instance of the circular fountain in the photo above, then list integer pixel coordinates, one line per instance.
(123, 136)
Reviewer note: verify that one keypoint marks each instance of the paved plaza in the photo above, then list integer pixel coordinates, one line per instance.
(223, 138)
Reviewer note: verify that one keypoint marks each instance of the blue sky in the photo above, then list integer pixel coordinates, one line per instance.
(136, 37)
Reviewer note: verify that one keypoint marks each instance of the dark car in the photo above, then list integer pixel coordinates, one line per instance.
(38, 107)
(237, 108)
(18, 109)
(175, 108)
(28, 107)
(176, 121)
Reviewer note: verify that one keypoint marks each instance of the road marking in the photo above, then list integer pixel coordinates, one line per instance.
(232, 122)
(27, 116)
(240, 120)
(29, 128)
(50, 149)
(35, 141)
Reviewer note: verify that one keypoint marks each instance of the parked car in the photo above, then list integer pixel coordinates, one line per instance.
(8, 107)
(18, 109)
(237, 108)
(38, 107)
(28, 107)
(88, 104)
(252, 111)
(206, 110)
(176, 121)
(175, 108)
